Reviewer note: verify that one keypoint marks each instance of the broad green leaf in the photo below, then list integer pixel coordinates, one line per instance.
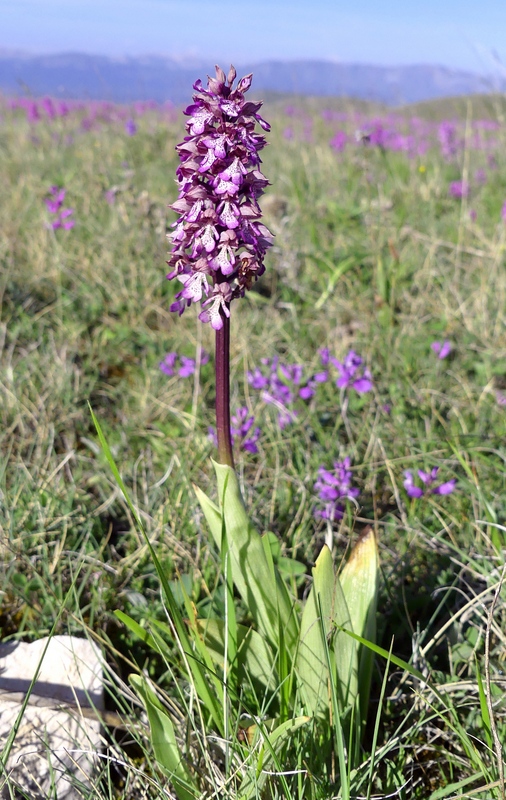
(291, 567)
(163, 738)
(265, 757)
(255, 660)
(345, 652)
(157, 643)
(212, 514)
(359, 582)
(274, 543)
(253, 572)
(317, 619)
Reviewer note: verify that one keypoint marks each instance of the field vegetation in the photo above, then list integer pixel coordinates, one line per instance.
(390, 241)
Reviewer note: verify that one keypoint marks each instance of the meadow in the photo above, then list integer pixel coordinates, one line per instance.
(375, 339)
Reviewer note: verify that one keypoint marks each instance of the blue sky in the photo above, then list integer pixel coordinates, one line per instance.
(455, 33)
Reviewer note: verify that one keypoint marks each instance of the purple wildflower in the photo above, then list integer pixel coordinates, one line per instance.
(441, 349)
(278, 390)
(500, 398)
(168, 364)
(187, 365)
(308, 391)
(54, 203)
(242, 423)
(458, 189)
(427, 479)
(338, 141)
(447, 135)
(334, 487)
(130, 127)
(219, 243)
(351, 373)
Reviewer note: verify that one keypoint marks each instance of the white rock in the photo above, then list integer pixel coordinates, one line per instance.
(58, 736)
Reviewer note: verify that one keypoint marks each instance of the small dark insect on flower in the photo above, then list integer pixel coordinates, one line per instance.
(219, 242)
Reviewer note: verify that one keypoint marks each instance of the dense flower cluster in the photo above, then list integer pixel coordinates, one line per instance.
(219, 243)
(427, 479)
(333, 488)
(54, 204)
(280, 385)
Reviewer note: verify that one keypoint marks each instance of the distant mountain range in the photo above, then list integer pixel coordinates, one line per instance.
(80, 76)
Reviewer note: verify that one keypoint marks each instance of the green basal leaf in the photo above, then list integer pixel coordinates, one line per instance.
(345, 651)
(359, 582)
(290, 567)
(317, 619)
(253, 572)
(163, 738)
(255, 660)
(212, 514)
(274, 544)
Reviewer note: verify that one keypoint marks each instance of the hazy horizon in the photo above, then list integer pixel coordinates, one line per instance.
(397, 34)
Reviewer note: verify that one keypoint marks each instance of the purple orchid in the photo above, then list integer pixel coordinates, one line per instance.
(333, 488)
(219, 243)
(441, 349)
(427, 479)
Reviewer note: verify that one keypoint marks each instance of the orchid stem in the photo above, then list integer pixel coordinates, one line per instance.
(222, 367)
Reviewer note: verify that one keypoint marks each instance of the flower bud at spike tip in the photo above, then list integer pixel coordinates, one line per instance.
(219, 244)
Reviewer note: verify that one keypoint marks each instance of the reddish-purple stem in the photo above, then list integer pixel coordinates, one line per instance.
(222, 366)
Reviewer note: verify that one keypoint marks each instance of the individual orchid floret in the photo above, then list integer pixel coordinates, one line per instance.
(441, 349)
(334, 488)
(427, 479)
(219, 243)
